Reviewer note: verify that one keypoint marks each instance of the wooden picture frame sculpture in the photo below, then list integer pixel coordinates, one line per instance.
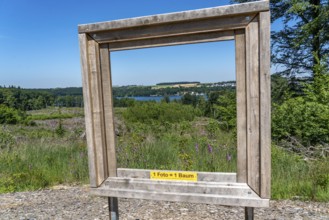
(249, 25)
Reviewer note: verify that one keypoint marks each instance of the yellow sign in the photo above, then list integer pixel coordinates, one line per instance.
(173, 175)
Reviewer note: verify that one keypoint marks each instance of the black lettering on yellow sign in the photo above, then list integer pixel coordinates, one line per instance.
(174, 175)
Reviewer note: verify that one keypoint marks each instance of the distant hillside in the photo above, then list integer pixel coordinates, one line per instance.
(175, 83)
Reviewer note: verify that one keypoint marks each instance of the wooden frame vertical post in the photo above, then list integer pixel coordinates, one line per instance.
(252, 100)
(97, 90)
(240, 63)
(265, 104)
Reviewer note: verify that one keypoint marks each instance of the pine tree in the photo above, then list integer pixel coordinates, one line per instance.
(303, 42)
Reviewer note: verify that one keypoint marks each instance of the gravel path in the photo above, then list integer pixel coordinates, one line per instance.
(63, 202)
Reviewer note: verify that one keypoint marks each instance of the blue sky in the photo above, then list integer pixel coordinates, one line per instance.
(39, 44)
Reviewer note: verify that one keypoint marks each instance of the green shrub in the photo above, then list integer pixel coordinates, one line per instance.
(60, 130)
(222, 107)
(10, 115)
(124, 102)
(225, 111)
(212, 128)
(305, 120)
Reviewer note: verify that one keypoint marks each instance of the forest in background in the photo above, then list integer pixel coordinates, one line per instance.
(34, 99)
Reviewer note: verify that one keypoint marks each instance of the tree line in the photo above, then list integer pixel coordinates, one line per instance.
(33, 99)
(204, 88)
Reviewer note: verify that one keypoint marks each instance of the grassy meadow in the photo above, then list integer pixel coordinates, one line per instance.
(52, 150)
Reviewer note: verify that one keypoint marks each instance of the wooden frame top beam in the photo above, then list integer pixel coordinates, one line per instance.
(222, 11)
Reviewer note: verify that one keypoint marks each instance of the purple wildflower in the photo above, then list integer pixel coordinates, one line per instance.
(209, 148)
(196, 147)
(228, 157)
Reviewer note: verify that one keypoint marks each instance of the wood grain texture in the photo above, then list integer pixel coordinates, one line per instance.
(240, 65)
(238, 189)
(233, 194)
(253, 105)
(237, 9)
(171, 29)
(97, 111)
(87, 98)
(172, 40)
(265, 107)
(107, 100)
